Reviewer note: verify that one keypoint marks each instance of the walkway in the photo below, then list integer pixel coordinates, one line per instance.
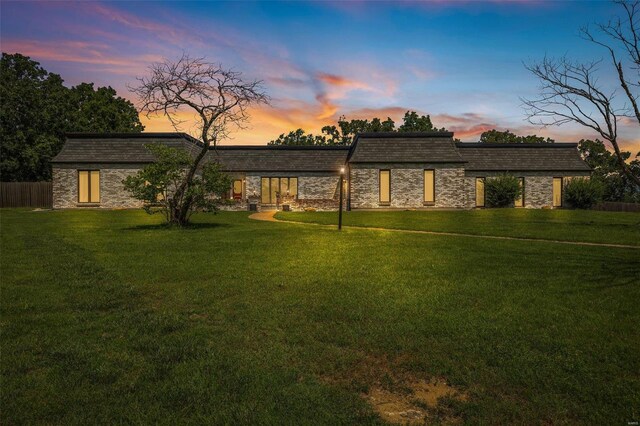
(269, 216)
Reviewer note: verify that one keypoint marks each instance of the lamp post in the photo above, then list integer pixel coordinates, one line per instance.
(341, 196)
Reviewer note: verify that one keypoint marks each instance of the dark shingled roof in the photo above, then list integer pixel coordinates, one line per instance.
(419, 147)
(130, 148)
(437, 147)
(269, 158)
(522, 157)
(118, 147)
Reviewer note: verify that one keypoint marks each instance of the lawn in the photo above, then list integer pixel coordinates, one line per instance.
(107, 317)
(569, 225)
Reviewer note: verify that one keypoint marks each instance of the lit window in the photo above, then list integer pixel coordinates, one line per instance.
(429, 187)
(285, 186)
(520, 200)
(385, 186)
(480, 192)
(293, 187)
(557, 192)
(88, 186)
(265, 192)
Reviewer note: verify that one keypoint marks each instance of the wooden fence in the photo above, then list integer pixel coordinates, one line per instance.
(26, 194)
(609, 206)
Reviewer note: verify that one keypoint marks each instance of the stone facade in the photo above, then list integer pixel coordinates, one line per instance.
(407, 186)
(538, 186)
(315, 190)
(112, 192)
(454, 188)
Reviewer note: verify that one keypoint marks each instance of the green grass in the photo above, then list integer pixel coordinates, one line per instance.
(107, 317)
(568, 225)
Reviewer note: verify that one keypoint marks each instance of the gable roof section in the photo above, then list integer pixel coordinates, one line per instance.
(410, 147)
(522, 157)
(118, 147)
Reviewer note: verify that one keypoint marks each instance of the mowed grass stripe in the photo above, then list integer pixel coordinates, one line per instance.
(611, 228)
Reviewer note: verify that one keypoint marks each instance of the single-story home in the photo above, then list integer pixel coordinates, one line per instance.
(380, 170)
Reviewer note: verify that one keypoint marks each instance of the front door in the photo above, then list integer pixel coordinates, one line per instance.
(237, 189)
(269, 190)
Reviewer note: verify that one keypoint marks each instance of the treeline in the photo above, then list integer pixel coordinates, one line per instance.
(346, 130)
(37, 109)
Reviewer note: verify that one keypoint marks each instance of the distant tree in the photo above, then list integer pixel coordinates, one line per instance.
(219, 97)
(299, 137)
(570, 91)
(156, 184)
(496, 136)
(36, 110)
(101, 110)
(412, 122)
(346, 130)
(617, 186)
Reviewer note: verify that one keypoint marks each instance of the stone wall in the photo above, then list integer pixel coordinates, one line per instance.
(538, 186)
(315, 190)
(318, 187)
(112, 192)
(407, 186)
(455, 188)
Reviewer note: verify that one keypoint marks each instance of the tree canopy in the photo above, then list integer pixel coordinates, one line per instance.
(496, 136)
(346, 130)
(37, 109)
(617, 185)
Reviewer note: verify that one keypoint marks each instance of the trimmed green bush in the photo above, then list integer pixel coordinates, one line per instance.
(502, 191)
(583, 193)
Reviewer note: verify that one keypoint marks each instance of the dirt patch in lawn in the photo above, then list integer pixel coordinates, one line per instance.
(399, 395)
(415, 402)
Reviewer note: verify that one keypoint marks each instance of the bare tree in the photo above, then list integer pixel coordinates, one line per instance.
(218, 97)
(570, 91)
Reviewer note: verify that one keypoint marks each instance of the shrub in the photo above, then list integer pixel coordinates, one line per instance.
(502, 191)
(155, 185)
(583, 193)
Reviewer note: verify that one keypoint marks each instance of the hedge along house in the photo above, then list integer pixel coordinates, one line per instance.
(382, 171)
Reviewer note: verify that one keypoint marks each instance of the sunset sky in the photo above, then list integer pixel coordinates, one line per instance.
(459, 61)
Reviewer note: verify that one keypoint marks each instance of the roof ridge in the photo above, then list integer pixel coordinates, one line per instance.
(516, 145)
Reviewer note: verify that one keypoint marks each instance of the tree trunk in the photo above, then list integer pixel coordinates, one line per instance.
(180, 211)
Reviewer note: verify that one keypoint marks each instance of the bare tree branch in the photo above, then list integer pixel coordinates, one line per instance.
(570, 91)
(219, 98)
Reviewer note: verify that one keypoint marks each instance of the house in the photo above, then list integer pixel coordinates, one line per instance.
(381, 171)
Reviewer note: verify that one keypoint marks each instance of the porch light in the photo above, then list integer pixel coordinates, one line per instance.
(341, 197)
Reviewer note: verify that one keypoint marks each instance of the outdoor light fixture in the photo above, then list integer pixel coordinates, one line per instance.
(341, 195)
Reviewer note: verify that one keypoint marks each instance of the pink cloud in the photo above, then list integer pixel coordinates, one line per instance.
(91, 53)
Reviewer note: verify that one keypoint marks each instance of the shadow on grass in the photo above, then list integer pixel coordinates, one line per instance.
(166, 227)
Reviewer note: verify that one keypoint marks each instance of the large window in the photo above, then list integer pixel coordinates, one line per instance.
(429, 187)
(519, 202)
(89, 186)
(480, 192)
(557, 192)
(385, 186)
(286, 187)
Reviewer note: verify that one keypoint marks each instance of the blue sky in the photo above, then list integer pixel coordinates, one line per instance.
(460, 61)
